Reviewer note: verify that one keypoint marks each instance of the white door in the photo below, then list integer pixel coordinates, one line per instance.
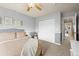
(47, 30)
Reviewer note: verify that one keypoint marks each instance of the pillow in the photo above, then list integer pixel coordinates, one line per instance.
(6, 36)
(12, 35)
(20, 34)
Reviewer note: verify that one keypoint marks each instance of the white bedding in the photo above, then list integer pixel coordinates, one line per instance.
(30, 47)
(12, 47)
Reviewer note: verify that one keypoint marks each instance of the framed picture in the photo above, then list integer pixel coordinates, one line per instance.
(1, 20)
(21, 23)
(17, 22)
(8, 20)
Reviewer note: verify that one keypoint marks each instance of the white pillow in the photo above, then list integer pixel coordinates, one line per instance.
(20, 34)
(7, 36)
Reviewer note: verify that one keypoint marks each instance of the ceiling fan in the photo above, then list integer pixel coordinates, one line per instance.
(34, 5)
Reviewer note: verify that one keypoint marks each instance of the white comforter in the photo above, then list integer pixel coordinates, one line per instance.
(30, 47)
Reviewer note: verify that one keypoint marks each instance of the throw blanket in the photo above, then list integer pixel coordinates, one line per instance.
(30, 47)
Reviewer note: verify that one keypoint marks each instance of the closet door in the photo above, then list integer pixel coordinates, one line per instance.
(47, 30)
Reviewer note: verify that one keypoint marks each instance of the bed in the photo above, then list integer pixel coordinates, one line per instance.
(12, 42)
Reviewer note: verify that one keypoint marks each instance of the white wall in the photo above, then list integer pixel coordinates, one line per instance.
(29, 22)
(59, 21)
(47, 30)
(57, 18)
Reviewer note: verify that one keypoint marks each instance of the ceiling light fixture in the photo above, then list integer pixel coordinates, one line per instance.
(34, 5)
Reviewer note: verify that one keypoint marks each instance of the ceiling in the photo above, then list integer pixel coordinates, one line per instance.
(47, 8)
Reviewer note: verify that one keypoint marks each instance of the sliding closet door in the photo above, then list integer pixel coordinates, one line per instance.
(47, 30)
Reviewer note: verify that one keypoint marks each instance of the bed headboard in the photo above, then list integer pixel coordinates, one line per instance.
(11, 30)
(11, 34)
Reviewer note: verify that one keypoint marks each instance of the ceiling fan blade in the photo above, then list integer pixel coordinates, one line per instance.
(28, 9)
(38, 7)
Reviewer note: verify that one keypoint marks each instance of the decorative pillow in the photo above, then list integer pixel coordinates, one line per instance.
(20, 34)
(7, 36)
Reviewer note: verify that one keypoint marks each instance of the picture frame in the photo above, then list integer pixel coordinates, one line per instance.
(17, 22)
(1, 20)
(8, 20)
(12, 21)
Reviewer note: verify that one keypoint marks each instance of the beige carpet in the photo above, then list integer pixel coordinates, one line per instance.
(51, 49)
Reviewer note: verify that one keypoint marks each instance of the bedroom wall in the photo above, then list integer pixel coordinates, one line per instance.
(47, 17)
(29, 22)
(57, 18)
